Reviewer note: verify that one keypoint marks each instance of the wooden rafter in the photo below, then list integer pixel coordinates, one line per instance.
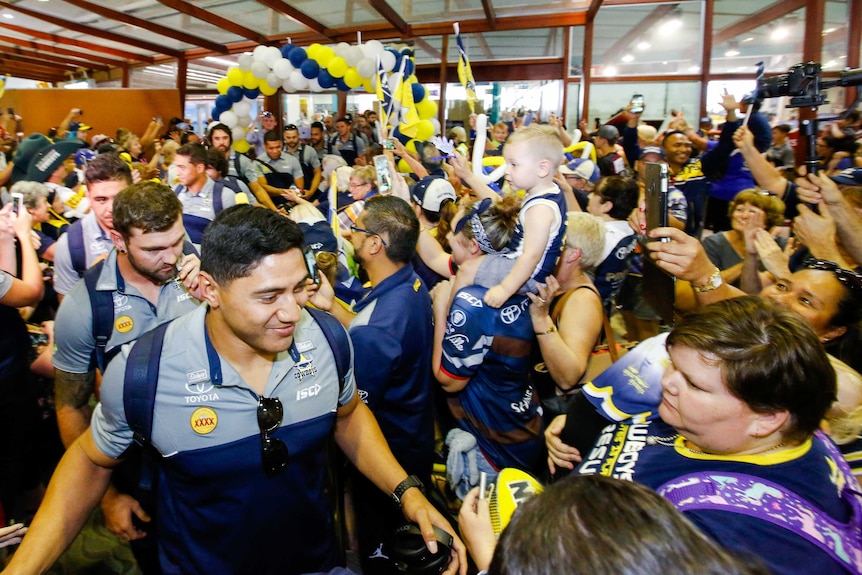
(428, 48)
(483, 44)
(490, 16)
(593, 9)
(88, 58)
(96, 32)
(756, 20)
(147, 25)
(215, 20)
(24, 71)
(391, 16)
(39, 57)
(7, 60)
(641, 27)
(66, 41)
(294, 14)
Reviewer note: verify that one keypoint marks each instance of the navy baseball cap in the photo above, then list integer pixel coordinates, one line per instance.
(848, 177)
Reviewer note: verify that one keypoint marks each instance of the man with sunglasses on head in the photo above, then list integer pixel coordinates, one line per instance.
(247, 396)
(307, 158)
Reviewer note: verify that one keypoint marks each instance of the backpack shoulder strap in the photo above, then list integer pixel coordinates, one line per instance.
(102, 305)
(76, 248)
(338, 340)
(141, 380)
(218, 205)
(768, 501)
(238, 167)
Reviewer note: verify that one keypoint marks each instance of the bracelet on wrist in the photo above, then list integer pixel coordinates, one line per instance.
(551, 329)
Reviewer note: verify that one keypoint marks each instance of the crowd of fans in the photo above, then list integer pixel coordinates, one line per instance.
(482, 314)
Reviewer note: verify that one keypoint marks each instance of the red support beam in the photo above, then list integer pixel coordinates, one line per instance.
(215, 20)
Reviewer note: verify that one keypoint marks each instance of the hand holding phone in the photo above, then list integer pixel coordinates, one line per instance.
(388, 144)
(311, 265)
(18, 201)
(637, 104)
(384, 178)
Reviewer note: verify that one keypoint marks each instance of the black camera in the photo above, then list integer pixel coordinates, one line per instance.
(408, 553)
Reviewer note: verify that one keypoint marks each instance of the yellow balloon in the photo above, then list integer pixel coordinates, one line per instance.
(235, 76)
(250, 81)
(324, 56)
(241, 146)
(426, 109)
(266, 89)
(403, 167)
(337, 67)
(313, 50)
(222, 86)
(352, 78)
(411, 146)
(366, 84)
(578, 146)
(425, 130)
(493, 161)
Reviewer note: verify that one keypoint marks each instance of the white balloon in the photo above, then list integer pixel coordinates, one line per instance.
(271, 55)
(244, 61)
(287, 86)
(258, 53)
(298, 81)
(436, 124)
(387, 60)
(243, 120)
(259, 70)
(273, 80)
(353, 55)
(314, 85)
(238, 133)
(341, 49)
(282, 69)
(366, 67)
(241, 108)
(228, 118)
(372, 48)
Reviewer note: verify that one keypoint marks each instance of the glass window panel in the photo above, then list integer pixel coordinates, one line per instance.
(576, 51)
(647, 39)
(573, 105)
(607, 99)
(740, 41)
(836, 31)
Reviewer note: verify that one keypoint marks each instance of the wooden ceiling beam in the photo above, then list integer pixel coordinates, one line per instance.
(750, 22)
(593, 9)
(284, 8)
(28, 72)
(65, 41)
(7, 60)
(88, 58)
(428, 48)
(96, 32)
(148, 25)
(490, 15)
(483, 44)
(391, 16)
(215, 20)
(40, 57)
(648, 21)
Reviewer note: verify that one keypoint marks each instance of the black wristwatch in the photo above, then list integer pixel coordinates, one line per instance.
(411, 481)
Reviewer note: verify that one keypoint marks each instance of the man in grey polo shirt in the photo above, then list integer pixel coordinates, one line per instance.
(281, 171)
(104, 176)
(141, 276)
(247, 396)
(307, 158)
(239, 165)
(202, 199)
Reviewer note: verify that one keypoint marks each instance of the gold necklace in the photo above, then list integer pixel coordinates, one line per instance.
(671, 442)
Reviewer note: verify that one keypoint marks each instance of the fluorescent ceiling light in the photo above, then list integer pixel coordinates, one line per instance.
(644, 45)
(732, 52)
(780, 33)
(610, 71)
(627, 58)
(221, 61)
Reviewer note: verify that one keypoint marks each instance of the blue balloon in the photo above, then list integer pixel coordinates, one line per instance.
(325, 79)
(234, 94)
(341, 85)
(285, 50)
(419, 91)
(297, 56)
(408, 68)
(396, 133)
(310, 69)
(251, 93)
(407, 52)
(398, 57)
(223, 103)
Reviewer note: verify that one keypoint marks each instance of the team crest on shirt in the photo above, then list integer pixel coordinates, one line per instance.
(124, 324)
(304, 367)
(458, 318)
(204, 420)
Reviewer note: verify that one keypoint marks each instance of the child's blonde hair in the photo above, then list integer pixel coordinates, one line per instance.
(845, 421)
(544, 144)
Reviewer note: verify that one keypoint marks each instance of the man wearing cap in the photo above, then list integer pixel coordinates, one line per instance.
(307, 158)
(44, 162)
(268, 122)
(609, 161)
(392, 333)
(348, 143)
(581, 174)
(239, 165)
